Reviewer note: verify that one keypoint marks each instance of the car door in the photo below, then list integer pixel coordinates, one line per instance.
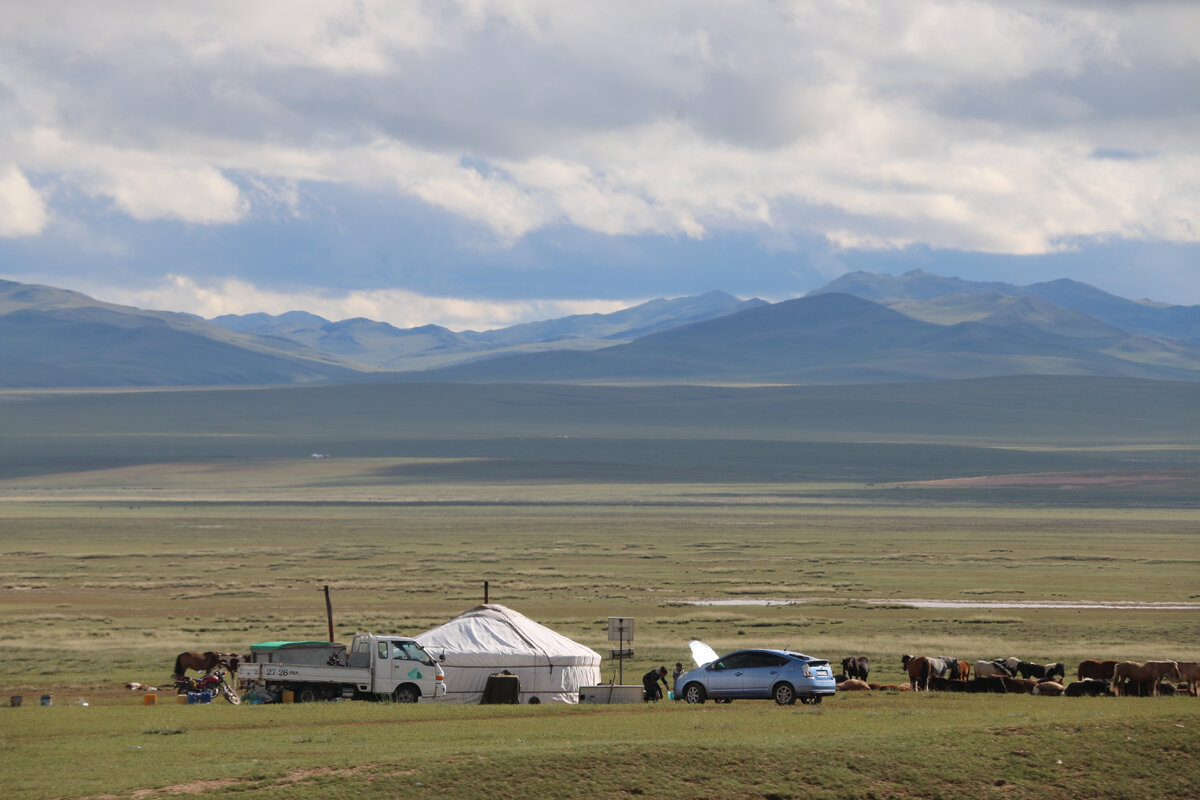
(761, 673)
(725, 676)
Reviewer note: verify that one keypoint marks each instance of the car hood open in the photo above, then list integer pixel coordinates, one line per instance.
(702, 653)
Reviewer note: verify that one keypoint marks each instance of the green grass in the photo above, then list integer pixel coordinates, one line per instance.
(852, 746)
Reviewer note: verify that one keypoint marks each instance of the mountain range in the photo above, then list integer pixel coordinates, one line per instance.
(859, 328)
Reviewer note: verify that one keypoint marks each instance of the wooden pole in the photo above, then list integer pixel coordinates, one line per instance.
(329, 612)
(485, 592)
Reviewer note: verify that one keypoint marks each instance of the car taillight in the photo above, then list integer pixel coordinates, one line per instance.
(807, 671)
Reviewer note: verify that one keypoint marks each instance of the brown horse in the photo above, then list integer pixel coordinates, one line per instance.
(205, 662)
(1096, 670)
(1190, 671)
(1136, 672)
(918, 669)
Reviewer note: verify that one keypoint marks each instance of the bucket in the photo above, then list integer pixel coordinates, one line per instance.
(206, 697)
(46, 699)
(193, 698)
(150, 700)
(15, 700)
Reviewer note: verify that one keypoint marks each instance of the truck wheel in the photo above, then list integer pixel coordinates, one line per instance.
(406, 693)
(307, 694)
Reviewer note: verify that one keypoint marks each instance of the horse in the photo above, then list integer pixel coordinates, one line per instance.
(205, 662)
(949, 667)
(854, 685)
(991, 669)
(1030, 670)
(856, 667)
(1088, 687)
(919, 670)
(1055, 672)
(1096, 670)
(1140, 673)
(1049, 689)
(1189, 671)
(964, 671)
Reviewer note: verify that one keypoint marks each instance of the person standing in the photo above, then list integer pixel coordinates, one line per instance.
(675, 678)
(650, 681)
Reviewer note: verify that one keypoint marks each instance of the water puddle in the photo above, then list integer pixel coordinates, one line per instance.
(1116, 606)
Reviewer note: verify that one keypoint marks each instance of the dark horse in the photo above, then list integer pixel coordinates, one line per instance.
(856, 667)
(204, 662)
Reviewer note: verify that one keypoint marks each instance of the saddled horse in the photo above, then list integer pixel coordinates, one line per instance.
(1150, 672)
(205, 662)
(1096, 670)
(856, 667)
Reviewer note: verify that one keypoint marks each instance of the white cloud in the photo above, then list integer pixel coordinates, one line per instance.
(22, 208)
(400, 308)
(956, 124)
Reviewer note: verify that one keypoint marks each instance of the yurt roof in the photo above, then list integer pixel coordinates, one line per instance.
(494, 629)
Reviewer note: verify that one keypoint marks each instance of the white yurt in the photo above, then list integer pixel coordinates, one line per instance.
(492, 638)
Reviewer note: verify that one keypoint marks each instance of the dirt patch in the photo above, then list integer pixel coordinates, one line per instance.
(219, 784)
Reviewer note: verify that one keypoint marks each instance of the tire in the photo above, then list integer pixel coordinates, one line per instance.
(307, 694)
(784, 694)
(694, 693)
(230, 695)
(811, 700)
(406, 693)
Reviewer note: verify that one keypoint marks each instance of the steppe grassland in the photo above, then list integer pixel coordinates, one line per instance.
(99, 594)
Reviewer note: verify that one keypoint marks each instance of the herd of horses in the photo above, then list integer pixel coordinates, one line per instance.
(1016, 676)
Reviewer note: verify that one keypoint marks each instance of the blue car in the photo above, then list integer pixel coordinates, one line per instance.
(779, 675)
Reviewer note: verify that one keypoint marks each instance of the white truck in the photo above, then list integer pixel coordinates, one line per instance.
(374, 668)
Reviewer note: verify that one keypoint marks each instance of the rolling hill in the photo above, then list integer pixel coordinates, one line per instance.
(1152, 319)
(839, 338)
(428, 346)
(57, 338)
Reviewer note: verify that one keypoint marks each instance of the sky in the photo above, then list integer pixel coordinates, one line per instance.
(477, 164)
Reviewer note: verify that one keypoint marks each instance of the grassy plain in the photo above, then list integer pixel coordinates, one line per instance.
(134, 527)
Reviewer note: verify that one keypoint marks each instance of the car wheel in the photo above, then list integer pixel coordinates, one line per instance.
(694, 693)
(811, 700)
(784, 694)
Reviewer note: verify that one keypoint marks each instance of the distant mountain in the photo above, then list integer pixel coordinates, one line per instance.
(839, 338)
(387, 347)
(59, 338)
(1173, 321)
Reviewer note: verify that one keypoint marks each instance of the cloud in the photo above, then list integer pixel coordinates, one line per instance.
(22, 208)
(969, 125)
(400, 308)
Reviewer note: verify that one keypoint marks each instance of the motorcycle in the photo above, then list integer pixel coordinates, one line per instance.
(213, 681)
